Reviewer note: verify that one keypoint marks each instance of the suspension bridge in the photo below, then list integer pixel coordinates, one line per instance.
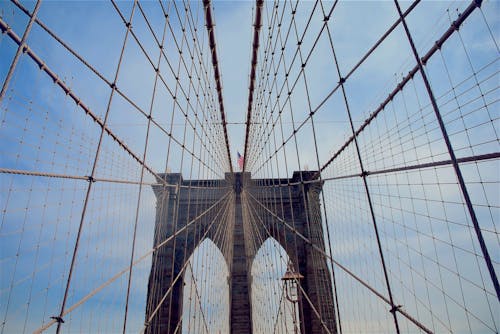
(365, 196)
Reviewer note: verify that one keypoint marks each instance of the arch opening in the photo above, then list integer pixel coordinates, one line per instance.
(275, 307)
(205, 297)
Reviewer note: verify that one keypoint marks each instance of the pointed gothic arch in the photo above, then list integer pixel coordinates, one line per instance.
(268, 295)
(178, 206)
(206, 291)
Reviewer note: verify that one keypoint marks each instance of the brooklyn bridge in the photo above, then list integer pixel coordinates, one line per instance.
(249, 167)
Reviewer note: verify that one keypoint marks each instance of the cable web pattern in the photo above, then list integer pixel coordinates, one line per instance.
(84, 139)
(404, 146)
(366, 198)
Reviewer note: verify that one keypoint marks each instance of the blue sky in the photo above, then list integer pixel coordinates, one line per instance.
(43, 130)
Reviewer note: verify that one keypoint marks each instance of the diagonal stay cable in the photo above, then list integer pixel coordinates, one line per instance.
(97, 156)
(309, 301)
(145, 151)
(344, 268)
(126, 270)
(163, 80)
(60, 41)
(216, 237)
(198, 297)
(167, 293)
(20, 49)
(6, 29)
(102, 77)
(288, 69)
(437, 45)
(281, 302)
(43, 66)
(329, 95)
(451, 151)
(315, 311)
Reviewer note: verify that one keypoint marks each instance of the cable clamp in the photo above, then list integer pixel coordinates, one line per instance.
(341, 81)
(58, 319)
(90, 179)
(395, 308)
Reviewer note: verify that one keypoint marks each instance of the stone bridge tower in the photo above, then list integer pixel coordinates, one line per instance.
(298, 202)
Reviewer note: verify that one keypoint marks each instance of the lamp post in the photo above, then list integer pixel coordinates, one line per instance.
(291, 279)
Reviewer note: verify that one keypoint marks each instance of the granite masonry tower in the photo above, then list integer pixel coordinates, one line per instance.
(184, 200)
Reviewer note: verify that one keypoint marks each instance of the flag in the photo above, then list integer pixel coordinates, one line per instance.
(240, 160)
